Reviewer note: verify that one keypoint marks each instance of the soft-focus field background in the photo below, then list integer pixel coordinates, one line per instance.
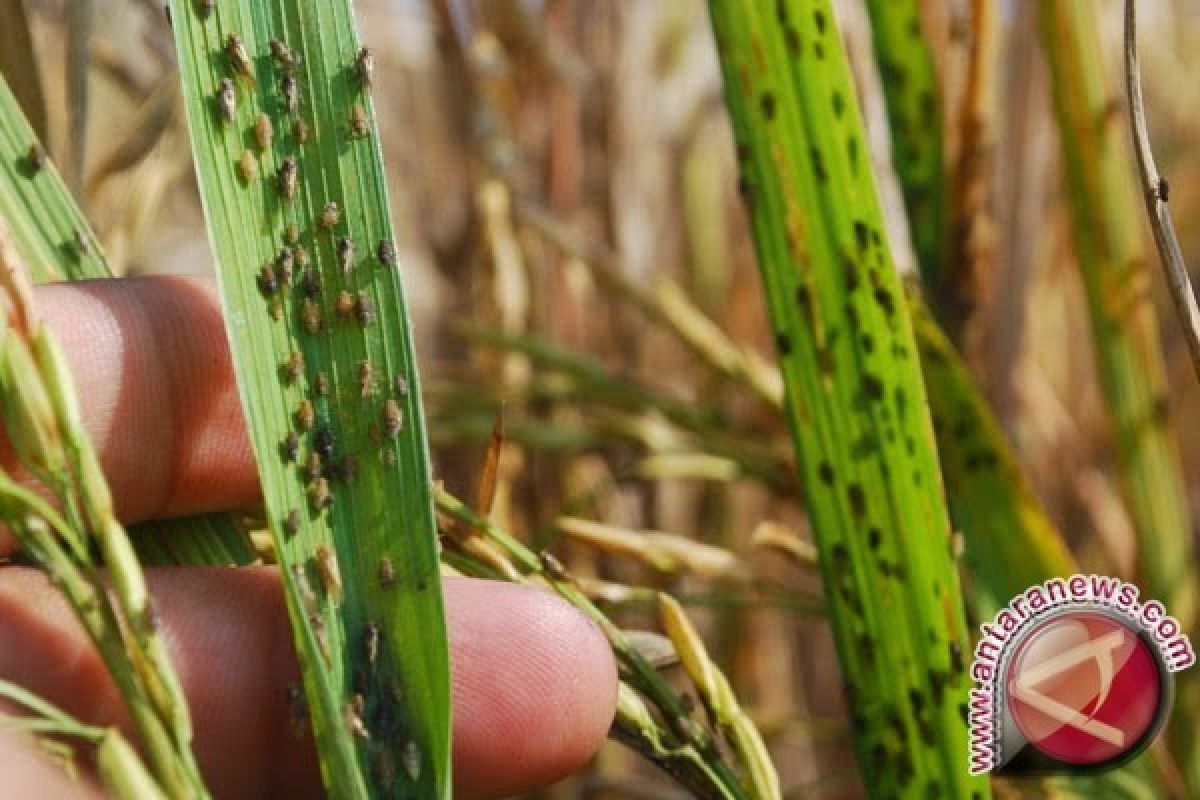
(514, 128)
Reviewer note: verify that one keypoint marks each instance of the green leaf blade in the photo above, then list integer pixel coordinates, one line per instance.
(855, 397)
(381, 723)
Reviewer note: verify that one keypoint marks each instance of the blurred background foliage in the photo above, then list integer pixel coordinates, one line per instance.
(566, 200)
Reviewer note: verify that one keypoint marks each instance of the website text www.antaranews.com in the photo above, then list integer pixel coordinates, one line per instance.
(1092, 591)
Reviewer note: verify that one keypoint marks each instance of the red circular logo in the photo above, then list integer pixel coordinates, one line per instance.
(1085, 689)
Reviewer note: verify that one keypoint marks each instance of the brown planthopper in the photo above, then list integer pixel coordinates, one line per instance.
(393, 417)
(345, 254)
(366, 378)
(319, 495)
(263, 131)
(330, 215)
(305, 415)
(227, 99)
(364, 65)
(283, 55)
(36, 157)
(364, 309)
(387, 572)
(300, 130)
(267, 282)
(289, 175)
(327, 569)
(291, 523)
(239, 57)
(386, 252)
(248, 167)
(314, 320)
(289, 448)
(291, 93)
(344, 305)
(359, 124)
(293, 368)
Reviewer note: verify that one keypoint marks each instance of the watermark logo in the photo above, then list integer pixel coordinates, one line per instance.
(1074, 674)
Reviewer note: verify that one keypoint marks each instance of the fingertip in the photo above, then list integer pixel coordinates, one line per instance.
(534, 685)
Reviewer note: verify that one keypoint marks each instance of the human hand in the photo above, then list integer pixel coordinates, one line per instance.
(534, 682)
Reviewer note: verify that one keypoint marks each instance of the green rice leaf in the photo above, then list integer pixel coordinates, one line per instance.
(854, 394)
(323, 353)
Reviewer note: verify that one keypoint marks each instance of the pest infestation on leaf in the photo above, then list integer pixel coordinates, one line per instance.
(313, 469)
(393, 417)
(319, 495)
(344, 305)
(327, 569)
(371, 641)
(83, 245)
(283, 55)
(304, 589)
(387, 572)
(239, 58)
(293, 368)
(364, 309)
(314, 320)
(291, 523)
(288, 176)
(285, 265)
(290, 90)
(364, 65)
(366, 378)
(290, 447)
(345, 254)
(359, 124)
(35, 157)
(386, 252)
(248, 167)
(227, 100)
(263, 131)
(267, 282)
(289, 191)
(330, 215)
(324, 442)
(305, 416)
(354, 722)
(310, 284)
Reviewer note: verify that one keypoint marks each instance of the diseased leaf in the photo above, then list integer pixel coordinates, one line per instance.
(278, 101)
(854, 394)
